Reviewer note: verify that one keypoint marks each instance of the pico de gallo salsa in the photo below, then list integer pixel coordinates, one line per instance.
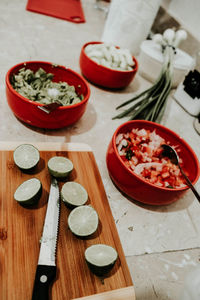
(141, 151)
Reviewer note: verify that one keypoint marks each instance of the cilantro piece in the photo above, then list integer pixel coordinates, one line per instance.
(129, 154)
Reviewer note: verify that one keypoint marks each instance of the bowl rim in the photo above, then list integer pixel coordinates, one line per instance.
(106, 68)
(172, 133)
(9, 85)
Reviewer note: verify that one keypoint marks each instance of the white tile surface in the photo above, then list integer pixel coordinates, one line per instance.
(152, 237)
(162, 276)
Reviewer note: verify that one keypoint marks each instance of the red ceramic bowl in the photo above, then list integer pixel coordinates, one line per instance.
(104, 76)
(133, 185)
(28, 111)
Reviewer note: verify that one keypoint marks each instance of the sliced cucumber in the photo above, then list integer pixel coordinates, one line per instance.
(29, 192)
(26, 156)
(100, 258)
(83, 220)
(60, 166)
(73, 194)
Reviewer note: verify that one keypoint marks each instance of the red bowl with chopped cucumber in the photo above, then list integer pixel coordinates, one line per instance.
(28, 111)
(137, 167)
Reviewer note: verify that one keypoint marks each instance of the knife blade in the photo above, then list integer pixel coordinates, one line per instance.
(46, 268)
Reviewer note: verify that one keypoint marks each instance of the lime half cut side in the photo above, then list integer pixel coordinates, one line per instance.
(83, 220)
(100, 258)
(73, 194)
(29, 192)
(26, 156)
(60, 166)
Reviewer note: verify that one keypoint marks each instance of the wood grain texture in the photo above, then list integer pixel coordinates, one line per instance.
(21, 229)
(119, 294)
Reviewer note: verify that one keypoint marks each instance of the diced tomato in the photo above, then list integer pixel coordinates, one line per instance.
(146, 173)
(143, 152)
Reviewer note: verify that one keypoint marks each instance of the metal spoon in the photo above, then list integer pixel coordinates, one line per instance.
(169, 152)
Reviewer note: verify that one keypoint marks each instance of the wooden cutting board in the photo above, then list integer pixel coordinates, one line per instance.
(21, 230)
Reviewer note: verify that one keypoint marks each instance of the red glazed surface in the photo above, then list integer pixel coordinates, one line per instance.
(104, 76)
(133, 185)
(28, 111)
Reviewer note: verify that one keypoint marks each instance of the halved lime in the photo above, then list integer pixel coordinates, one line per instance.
(26, 156)
(60, 166)
(73, 194)
(100, 258)
(29, 192)
(83, 220)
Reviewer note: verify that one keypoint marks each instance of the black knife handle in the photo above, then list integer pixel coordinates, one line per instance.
(43, 279)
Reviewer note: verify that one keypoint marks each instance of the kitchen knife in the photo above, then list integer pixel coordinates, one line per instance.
(46, 268)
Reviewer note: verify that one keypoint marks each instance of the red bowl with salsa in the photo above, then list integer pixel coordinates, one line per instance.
(138, 168)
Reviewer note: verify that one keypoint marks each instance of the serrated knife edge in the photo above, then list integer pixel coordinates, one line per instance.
(49, 237)
(46, 268)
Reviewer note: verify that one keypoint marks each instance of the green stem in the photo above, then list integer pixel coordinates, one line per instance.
(127, 111)
(161, 96)
(149, 90)
(161, 112)
(133, 99)
(162, 100)
(152, 102)
(143, 107)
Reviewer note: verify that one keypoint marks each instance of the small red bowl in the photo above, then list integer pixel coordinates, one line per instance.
(103, 76)
(28, 111)
(133, 185)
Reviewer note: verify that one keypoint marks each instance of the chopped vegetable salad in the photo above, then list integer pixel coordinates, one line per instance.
(39, 87)
(141, 151)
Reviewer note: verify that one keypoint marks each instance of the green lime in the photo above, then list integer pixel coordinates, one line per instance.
(83, 220)
(100, 258)
(29, 192)
(60, 166)
(73, 194)
(26, 156)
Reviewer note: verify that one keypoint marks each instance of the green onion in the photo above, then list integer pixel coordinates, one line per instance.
(150, 104)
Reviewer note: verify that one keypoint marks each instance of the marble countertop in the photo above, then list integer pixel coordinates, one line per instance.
(161, 243)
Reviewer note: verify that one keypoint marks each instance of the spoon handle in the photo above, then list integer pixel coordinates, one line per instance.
(190, 184)
(48, 108)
